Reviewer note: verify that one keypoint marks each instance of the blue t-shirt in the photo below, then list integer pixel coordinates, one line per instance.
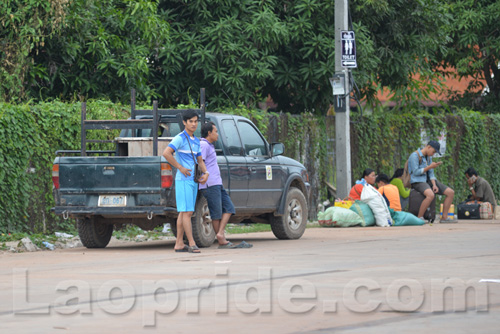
(183, 153)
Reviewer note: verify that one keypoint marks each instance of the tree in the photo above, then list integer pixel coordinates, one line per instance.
(106, 48)
(247, 50)
(474, 49)
(229, 47)
(25, 26)
(241, 51)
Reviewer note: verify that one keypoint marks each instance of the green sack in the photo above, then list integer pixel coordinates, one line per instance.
(322, 219)
(403, 218)
(342, 217)
(364, 211)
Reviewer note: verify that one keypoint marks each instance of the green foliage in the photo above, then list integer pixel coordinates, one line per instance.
(30, 135)
(16, 154)
(105, 49)
(259, 117)
(243, 51)
(474, 49)
(24, 29)
(403, 38)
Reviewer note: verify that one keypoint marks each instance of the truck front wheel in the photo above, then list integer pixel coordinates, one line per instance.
(293, 222)
(203, 230)
(94, 234)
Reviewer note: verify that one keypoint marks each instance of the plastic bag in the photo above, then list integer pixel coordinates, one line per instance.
(402, 218)
(377, 203)
(322, 219)
(345, 203)
(364, 211)
(340, 217)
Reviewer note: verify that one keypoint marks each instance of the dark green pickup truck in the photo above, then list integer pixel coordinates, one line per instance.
(134, 184)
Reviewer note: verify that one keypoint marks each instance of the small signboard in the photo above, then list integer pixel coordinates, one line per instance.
(348, 49)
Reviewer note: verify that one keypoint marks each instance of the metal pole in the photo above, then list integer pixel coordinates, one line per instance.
(342, 126)
(83, 134)
(132, 109)
(155, 128)
(202, 105)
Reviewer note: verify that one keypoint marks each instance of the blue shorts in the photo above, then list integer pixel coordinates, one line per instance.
(218, 201)
(185, 195)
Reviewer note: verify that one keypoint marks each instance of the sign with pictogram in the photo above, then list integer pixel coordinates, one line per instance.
(348, 49)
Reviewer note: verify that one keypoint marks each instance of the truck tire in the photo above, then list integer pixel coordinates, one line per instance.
(94, 234)
(293, 222)
(203, 230)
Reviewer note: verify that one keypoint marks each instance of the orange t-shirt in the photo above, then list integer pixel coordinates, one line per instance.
(392, 193)
(355, 192)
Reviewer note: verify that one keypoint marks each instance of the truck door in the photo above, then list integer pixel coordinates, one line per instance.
(266, 174)
(235, 173)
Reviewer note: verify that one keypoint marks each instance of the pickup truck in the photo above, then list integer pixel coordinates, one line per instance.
(134, 184)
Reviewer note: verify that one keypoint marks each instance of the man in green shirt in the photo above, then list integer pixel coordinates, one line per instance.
(480, 188)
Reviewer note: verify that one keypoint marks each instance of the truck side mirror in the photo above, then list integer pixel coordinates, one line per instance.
(277, 149)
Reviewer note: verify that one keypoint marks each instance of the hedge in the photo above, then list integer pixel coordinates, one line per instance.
(31, 133)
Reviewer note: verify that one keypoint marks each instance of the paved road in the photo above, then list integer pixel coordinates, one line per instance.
(441, 278)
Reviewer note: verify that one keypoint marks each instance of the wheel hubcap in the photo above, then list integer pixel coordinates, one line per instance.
(295, 214)
(206, 222)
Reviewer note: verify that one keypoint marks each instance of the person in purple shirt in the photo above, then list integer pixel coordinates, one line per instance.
(219, 203)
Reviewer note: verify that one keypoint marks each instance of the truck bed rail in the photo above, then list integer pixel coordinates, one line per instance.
(163, 115)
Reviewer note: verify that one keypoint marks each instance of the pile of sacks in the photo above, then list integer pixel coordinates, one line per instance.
(371, 210)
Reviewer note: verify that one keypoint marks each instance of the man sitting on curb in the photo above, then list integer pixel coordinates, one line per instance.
(480, 188)
(422, 179)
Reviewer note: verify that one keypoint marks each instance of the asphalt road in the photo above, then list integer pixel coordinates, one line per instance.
(440, 278)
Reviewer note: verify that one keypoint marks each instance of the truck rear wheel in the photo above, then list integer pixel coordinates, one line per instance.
(293, 222)
(94, 234)
(203, 230)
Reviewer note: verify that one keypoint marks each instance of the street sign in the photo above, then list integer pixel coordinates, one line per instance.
(348, 49)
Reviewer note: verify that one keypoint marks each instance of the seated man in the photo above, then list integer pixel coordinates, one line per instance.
(422, 179)
(480, 188)
(390, 192)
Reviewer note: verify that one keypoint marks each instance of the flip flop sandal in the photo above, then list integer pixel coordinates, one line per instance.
(243, 244)
(182, 250)
(194, 249)
(229, 245)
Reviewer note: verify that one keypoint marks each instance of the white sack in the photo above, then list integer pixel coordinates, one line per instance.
(377, 203)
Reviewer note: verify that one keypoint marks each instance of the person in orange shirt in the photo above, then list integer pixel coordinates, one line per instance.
(390, 191)
(368, 177)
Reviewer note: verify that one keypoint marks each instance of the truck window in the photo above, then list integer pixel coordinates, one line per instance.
(252, 141)
(231, 137)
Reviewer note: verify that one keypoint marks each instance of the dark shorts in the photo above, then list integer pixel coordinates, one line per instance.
(423, 186)
(218, 201)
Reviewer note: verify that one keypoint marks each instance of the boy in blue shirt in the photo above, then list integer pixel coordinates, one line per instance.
(187, 148)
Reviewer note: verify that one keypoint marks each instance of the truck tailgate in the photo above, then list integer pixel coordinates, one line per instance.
(110, 174)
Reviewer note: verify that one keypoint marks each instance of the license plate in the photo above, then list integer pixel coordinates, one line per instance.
(112, 200)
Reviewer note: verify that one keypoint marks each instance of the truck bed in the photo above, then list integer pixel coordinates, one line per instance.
(112, 186)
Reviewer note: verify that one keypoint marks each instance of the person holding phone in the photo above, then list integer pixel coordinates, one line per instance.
(480, 188)
(423, 180)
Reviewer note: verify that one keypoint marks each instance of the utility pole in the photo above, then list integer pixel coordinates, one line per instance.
(340, 84)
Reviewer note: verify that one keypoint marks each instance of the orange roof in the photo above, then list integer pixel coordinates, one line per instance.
(452, 83)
